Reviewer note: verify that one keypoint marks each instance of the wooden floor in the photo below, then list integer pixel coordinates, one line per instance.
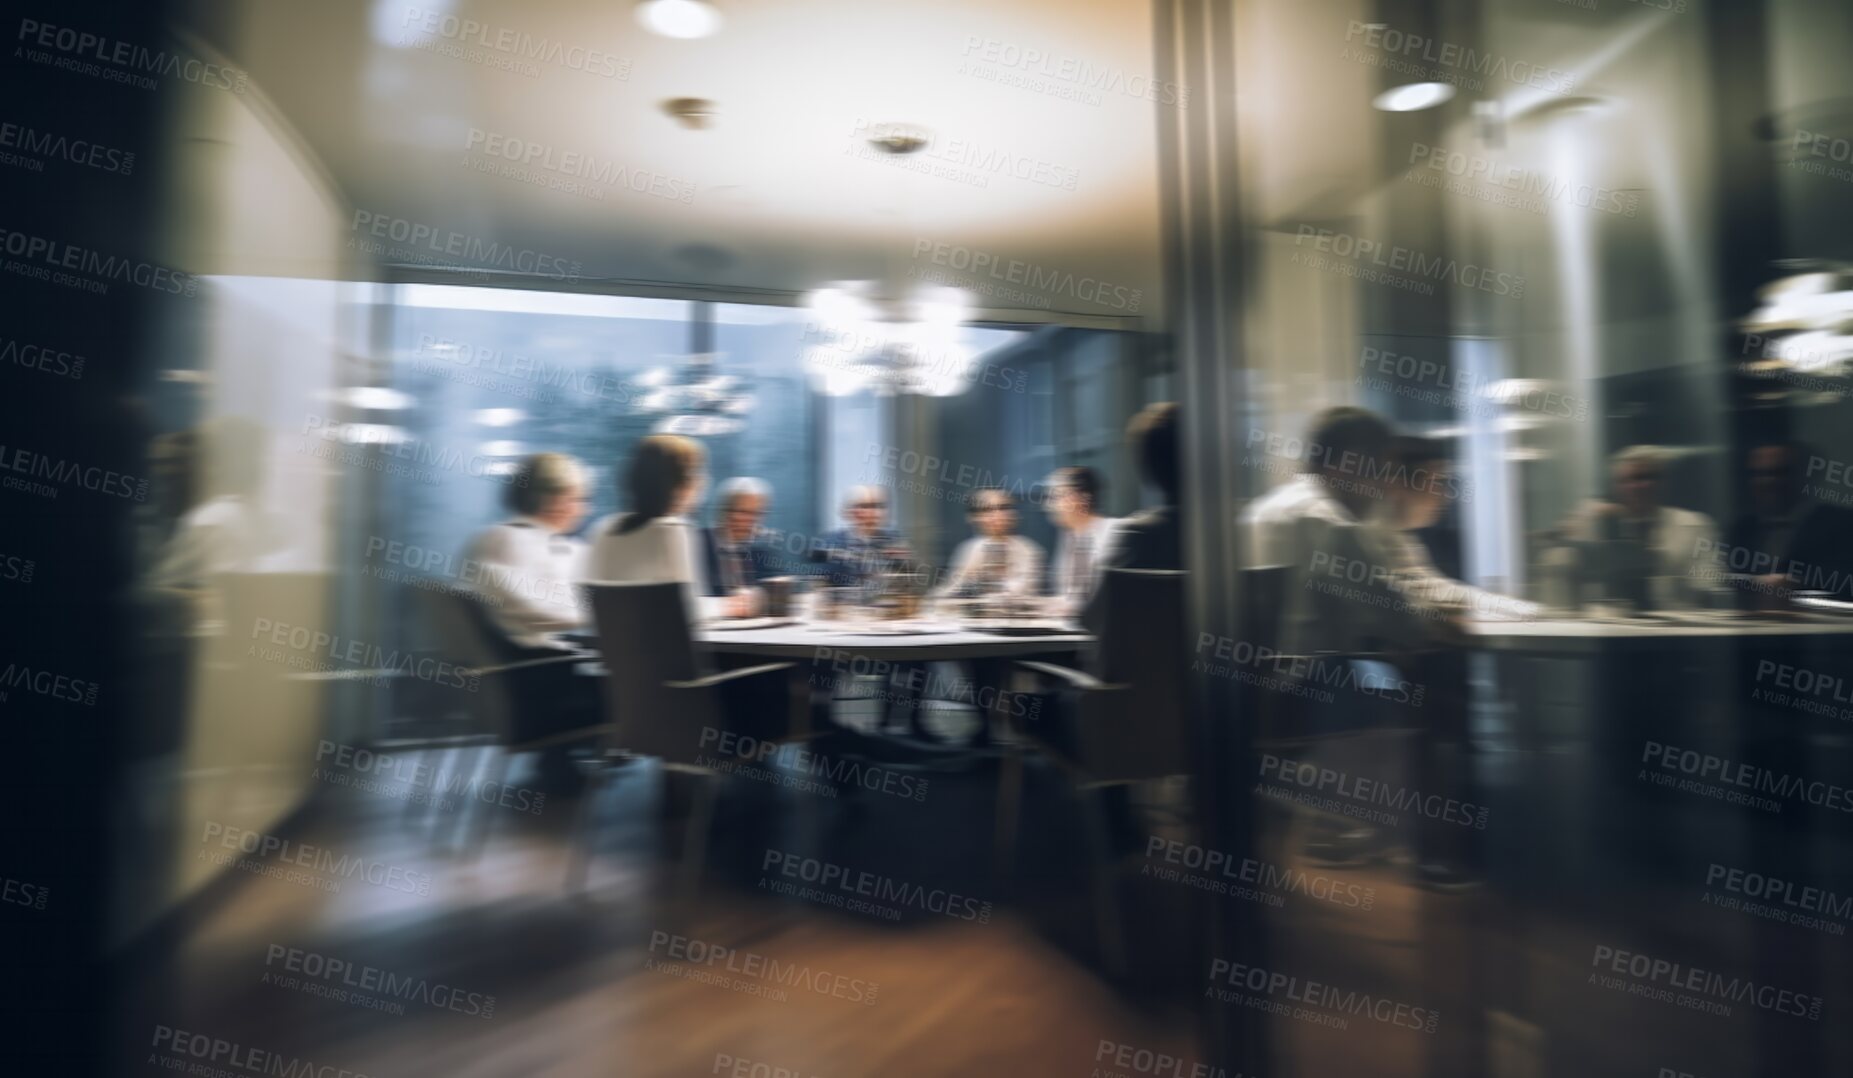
(612, 983)
(592, 986)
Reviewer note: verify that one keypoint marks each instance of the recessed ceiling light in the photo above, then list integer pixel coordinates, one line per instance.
(1413, 97)
(694, 113)
(679, 18)
(900, 139)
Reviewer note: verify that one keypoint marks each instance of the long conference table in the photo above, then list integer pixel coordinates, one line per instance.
(1586, 636)
(859, 647)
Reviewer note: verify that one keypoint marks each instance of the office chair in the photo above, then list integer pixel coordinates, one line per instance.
(1129, 721)
(659, 699)
(1289, 723)
(472, 641)
(1280, 718)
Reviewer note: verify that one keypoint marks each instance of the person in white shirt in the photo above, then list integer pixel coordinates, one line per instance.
(996, 562)
(1326, 526)
(1634, 549)
(1086, 541)
(526, 570)
(214, 481)
(655, 542)
(528, 566)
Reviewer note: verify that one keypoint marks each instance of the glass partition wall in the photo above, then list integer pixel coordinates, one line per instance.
(1542, 235)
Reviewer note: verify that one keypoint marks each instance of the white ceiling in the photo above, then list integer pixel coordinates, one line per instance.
(787, 194)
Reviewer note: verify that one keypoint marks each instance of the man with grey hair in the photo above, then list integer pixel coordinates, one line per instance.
(1633, 549)
(527, 566)
(867, 547)
(527, 570)
(734, 559)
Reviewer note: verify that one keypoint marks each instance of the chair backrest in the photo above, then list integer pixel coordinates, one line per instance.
(644, 638)
(1261, 595)
(1143, 644)
(468, 637)
(465, 629)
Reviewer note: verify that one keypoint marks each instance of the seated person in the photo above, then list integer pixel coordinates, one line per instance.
(1788, 541)
(1417, 494)
(1153, 538)
(216, 495)
(1635, 550)
(1085, 543)
(733, 559)
(996, 562)
(654, 542)
(527, 566)
(1325, 525)
(866, 548)
(526, 569)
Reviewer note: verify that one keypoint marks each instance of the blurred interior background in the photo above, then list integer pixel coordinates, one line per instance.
(414, 243)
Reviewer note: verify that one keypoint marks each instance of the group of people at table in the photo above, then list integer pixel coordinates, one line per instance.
(530, 566)
(1354, 526)
(1357, 529)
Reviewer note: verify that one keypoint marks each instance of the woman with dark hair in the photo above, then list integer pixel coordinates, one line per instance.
(655, 542)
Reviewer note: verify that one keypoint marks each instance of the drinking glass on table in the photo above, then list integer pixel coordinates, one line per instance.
(744, 603)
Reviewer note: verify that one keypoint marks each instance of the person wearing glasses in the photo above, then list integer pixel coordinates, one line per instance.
(867, 547)
(732, 555)
(995, 563)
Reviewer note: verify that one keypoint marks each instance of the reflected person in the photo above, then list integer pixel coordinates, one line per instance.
(1421, 485)
(1788, 541)
(1634, 550)
(1327, 527)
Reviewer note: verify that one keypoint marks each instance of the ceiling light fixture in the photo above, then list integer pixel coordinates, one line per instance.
(864, 343)
(1807, 318)
(694, 113)
(899, 139)
(1413, 97)
(695, 398)
(685, 19)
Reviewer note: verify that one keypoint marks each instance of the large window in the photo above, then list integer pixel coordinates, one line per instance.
(484, 376)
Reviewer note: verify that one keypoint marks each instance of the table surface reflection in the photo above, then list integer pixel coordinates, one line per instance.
(914, 639)
(1667, 628)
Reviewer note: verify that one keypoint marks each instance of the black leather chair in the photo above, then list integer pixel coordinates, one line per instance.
(659, 697)
(511, 684)
(1126, 722)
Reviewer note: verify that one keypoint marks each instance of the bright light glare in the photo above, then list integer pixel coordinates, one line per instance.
(1413, 97)
(377, 398)
(859, 351)
(679, 18)
(499, 417)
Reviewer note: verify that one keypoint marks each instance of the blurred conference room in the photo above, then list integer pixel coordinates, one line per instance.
(786, 538)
